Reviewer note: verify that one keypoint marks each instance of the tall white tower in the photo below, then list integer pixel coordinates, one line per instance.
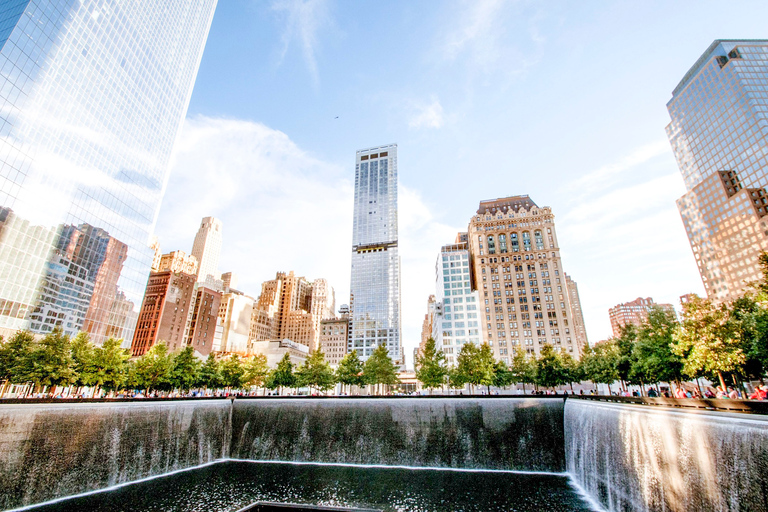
(375, 281)
(207, 248)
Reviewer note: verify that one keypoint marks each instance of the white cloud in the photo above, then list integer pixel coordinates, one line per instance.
(427, 115)
(283, 210)
(493, 37)
(626, 242)
(304, 19)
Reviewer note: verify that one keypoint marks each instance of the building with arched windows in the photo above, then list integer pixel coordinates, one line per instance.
(525, 298)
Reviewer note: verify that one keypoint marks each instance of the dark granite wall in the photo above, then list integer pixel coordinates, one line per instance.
(53, 450)
(498, 433)
(648, 459)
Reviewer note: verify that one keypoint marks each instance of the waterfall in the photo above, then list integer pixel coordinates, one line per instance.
(648, 459)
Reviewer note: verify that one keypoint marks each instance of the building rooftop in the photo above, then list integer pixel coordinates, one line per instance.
(719, 47)
(506, 203)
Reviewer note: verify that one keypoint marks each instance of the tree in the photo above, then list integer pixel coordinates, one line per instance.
(350, 370)
(185, 369)
(706, 342)
(502, 375)
(379, 368)
(550, 371)
(83, 353)
(52, 363)
(598, 363)
(283, 375)
(316, 372)
(232, 372)
(625, 343)
(571, 369)
(473, 366)
(523, 368)
(256, 371)
(455, 378)
(153, 369)
(653, 359)
(15, 358)
(110, 365)
(209, 376)
(430, 366)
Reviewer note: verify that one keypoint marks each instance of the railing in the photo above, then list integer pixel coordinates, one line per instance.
(739, 406)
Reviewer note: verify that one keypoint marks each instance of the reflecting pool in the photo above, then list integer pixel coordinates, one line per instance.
(230, 485)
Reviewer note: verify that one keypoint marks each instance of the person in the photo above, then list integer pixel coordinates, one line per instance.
(721, 394)
(733, 394)
(652, 393)
(758, 394)
(680, 393)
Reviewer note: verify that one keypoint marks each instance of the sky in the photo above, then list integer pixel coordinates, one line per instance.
(563, 101)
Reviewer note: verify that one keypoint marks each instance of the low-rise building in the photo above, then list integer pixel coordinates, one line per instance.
(275, 350)
(333, 338)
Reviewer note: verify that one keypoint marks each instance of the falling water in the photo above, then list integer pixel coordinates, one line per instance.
(642, 458)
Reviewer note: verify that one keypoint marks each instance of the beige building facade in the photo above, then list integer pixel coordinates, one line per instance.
(291, 307)
(275, 350)
(633, 312)
(333, 339)
(178, 261)
(524, 296)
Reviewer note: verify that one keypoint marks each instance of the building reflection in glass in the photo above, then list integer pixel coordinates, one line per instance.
(92, 95)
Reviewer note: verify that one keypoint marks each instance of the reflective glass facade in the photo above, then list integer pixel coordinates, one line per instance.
(456, 321)
(375, 281)
(92, 96)
(719, 134)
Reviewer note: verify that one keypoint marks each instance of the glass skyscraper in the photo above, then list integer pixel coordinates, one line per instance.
(719, 134)
(92, 96)
(375, 282)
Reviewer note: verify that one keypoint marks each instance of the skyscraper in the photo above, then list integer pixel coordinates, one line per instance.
(93, 97)
(527, 299)
(375, 281)
(634, 312)
(207, 249)
(457, 304)
(719, 132)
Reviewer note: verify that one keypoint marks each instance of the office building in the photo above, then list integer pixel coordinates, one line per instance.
(164, 312)
(427, 326)
(634, 312)
(275, 350)
(333, 339)
(235, 313)
(375, 278)
(456, 303)
(204, 330)
(291, 307)
(579, 329)
(519, 275)
(718, 132)
(93, 95)
(178, 261)
(207, 249)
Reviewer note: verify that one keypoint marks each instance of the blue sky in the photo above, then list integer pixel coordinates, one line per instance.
(564, 101)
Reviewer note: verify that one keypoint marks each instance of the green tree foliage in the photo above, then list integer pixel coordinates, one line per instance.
(430, 366)
(502, 375)
(653, 359)
(231, 371)
(706, 341)
(523, 368)
(110, 365)
(550, 371)
(256, 371)
(379, 368)
(599, 363)
(15, 360)
(316, 373)
(83, 353)
(475, 365)
(455, 378)
(52, 363)
(350, 370)
(152, 371)
(282, 376)
(185, 369)
(625, 344)
(209, 376)
(571, 369)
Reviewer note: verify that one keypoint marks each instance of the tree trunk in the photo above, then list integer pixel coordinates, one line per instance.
(609, 390)
(698, 385)
(524, 388)
(722, 381)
